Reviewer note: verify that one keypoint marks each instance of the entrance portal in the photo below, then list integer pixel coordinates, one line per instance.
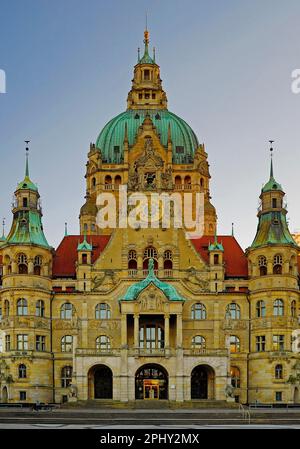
(100, 382)
(202, 382)
(151, 382)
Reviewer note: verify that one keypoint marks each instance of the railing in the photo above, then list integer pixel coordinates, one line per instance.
(205, 352)
(168, 273)
(146, 272)
(132, 273)
(96, 352)
(245, 413)
(182, 186)
(154, 352)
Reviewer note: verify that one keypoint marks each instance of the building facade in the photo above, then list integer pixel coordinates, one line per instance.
(147, 313)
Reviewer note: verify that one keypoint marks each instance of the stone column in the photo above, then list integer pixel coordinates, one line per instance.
(167, 331)
(30, 266)
(179, 330)
(136, 331)
(124, 331)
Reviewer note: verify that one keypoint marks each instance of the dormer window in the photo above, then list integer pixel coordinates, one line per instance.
(274, 203)
(25, 202)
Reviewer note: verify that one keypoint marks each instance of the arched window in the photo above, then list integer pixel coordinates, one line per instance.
(235, 345)
(102, 311)
(293, 308)
(67, 343)
(168, 260)
(108, 180)
(233, 311)
(22, 264)
(277, 264)
(22, 307)
(37, 264)
(146, 74)
(6, 308)
(262, 264)
(66, 376)
(93, 183)
(198, 311)
(22, 371)
(201, 182)
(67, 311)
(278, 371)
(178, 183)
(40, 308)
(235, 375)
(187, 182)
(132, 260)
(150, 253)
(278, 307)
(102, 343)
(260, 309)
(198, 342)
(118, 181)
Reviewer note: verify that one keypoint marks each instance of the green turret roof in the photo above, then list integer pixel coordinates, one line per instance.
(271, 184)
(27, 228)
(215, 246)
(135, 289)
(272, 229)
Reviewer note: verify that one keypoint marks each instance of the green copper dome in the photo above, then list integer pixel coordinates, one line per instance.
(111, 138)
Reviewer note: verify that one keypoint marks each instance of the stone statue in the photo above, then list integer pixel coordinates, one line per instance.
(229, 391)
(73, 391)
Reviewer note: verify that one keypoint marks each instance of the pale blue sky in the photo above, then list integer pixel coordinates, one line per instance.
(226, 67)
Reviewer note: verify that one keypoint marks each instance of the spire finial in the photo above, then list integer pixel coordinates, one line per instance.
(271, 155)
(146, 32)
(3, 228)
(154, 54)
(232, 229)
(27, 151)
(139, 55)
(66, 229)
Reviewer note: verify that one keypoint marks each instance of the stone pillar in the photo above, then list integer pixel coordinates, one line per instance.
(30, 266)
(179, 330)
(136, 331)
(14, 267)
(139, 263)
(124, 331)
(167, 331)
(160, 265)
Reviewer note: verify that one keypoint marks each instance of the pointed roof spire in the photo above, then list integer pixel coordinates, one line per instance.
(215, 246)
(2, 239)
(66, 229)
(27, 183)
(146, 58)
(232, 229)
(84, 246)
(271, 184)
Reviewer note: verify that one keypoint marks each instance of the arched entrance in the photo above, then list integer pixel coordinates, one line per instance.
(4, 395)
(202, 382)
(100, 379)
(151, 382)
(296, 395)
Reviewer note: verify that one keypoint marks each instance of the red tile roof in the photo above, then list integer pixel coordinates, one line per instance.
(234, 257)
(66, 253)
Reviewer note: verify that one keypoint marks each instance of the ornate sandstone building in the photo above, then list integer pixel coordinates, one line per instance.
(147, 313)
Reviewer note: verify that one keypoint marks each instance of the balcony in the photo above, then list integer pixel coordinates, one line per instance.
(148, 352)
(205, 352)
(93, 352)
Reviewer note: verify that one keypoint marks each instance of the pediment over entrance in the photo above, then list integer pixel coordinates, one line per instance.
(151, 299)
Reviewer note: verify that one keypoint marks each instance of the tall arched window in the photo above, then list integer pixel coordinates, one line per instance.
(168, 260)
(22, 307)
(118, 181)
(278, 307)
(93, 183)
(102, 343)
(6, 308)
(235, 345)
(233, 311)
(67, 311)
(67, 343)
(293, 308)
(22, 264)
(277, 264)
(40, 308)
(37, 265)
(150, 253)
(235, 375)
(262, 264)
(198, 342)
(260, 309)
(102, 311)
(22, 371)
(198, 311)
(66, 376)
(278, 371)
(132, 260)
